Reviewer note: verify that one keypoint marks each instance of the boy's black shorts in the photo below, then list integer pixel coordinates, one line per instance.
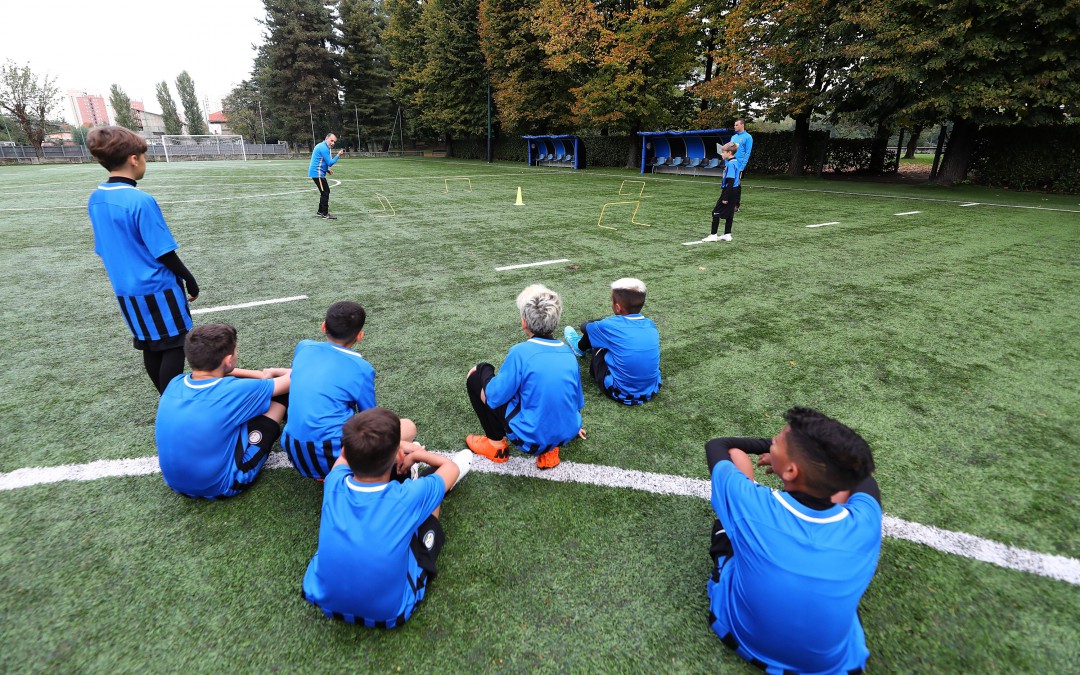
(426, 545)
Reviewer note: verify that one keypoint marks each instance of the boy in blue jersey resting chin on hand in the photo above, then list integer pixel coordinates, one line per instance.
(625, 348)
(379, 538)
(790, 566)
(535, 401)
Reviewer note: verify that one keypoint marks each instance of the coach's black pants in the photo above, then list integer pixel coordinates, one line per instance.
(324, 195)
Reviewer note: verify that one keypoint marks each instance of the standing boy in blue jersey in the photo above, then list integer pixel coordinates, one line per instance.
(730, 194)
(215, 427)
(330, 383)
(626, 347)
(378, 538)
(139, 253)
(535, 401)
(790, 566)
(745, 141)
(321, 161)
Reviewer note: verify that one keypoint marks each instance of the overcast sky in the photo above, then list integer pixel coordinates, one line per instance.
(90, 46)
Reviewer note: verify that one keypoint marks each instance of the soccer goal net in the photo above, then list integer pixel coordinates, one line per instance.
(214, 146)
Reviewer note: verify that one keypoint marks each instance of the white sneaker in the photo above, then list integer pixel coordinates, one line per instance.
(725, 237)
(463, 460)
(711, 237)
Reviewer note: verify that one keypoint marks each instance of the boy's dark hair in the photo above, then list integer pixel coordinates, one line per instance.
(206, 346)
(631, 301)
(112, 146)
(832, 456)
(345, 319)
(369, 441)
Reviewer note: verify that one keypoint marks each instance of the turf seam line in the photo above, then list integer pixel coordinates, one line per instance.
(532, 264)
(243, 305)
(961, 544)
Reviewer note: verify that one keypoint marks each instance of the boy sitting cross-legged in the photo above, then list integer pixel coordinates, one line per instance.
(378, 538)
(626, 347)
(215, 427)
(535, 401)
(330, 383)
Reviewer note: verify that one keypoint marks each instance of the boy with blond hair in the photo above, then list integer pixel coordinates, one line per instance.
(535, 401)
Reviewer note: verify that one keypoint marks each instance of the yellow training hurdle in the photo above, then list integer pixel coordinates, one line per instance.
(633, 218)
(384, 205)
(640, 193)
(446, 183)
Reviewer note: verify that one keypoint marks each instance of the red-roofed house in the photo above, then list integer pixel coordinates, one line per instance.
(219, 124)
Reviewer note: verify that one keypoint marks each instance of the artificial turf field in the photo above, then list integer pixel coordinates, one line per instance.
(947, 337)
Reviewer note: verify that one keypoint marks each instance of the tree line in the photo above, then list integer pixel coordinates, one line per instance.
(621, 66)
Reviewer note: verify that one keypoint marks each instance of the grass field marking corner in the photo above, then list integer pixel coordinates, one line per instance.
(446, 184)
(245, 305)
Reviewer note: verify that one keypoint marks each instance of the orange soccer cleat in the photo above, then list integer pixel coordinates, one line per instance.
(548, 460)
(496, 451)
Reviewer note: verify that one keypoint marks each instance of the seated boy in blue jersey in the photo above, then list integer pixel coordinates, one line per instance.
(330, 383)
(625, 347)
(789, 566)
(535, 401)
(378, 538)
(215, 426)
(139, 253)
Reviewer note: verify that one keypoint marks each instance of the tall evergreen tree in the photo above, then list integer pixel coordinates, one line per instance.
(365, 68)
(452, 95)
(529, 97)
(193, 112)
(299, 69)
(121, 105)
(405, 50)
(242, 108)
(169, 115)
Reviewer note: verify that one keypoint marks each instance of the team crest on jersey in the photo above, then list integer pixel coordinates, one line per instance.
(255, 437)
(429, 539)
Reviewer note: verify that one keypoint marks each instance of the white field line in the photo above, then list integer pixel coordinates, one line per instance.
(691, 243)
(969, 546)
(257, 303)
(834, 222)
(534, 264)
(333, 183)
(970, 204)
(907, 213)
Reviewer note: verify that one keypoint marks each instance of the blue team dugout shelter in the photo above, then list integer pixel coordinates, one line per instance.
(566, 151)
(691, 152)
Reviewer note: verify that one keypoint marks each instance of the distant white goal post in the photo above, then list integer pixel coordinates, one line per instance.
(211, 146)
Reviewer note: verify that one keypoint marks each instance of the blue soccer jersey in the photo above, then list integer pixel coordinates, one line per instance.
(329, 384)
(746, 145)
(202, 436)
(540, 384)
(321, 160)
(364, 570)
(731, 173)
(130, 235)
(789, 594)
(633, 355)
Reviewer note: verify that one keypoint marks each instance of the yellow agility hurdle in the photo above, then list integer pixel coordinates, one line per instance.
(384, 205)
(641, 192)
(633, 218)
(446, 183)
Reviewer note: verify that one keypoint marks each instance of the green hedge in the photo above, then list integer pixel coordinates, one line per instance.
(1031, 158)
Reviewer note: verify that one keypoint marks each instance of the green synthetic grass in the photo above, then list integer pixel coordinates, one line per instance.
(948, 338)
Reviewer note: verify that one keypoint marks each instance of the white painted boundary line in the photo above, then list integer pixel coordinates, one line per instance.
(956, 543)
(257, 303)
(535, 264)
(834, 222)
(691, 243)
(970, 204)
(907, 213)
